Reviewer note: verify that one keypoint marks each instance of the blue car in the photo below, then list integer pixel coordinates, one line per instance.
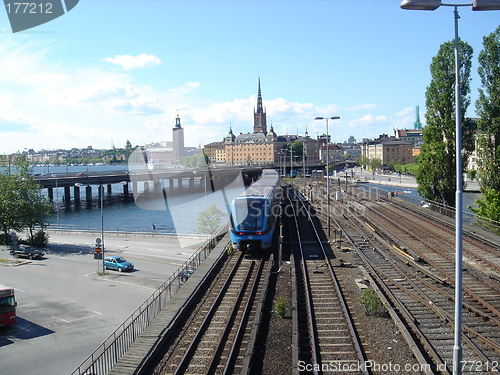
(117, 263)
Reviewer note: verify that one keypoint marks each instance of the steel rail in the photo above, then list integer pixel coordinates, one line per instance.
(309, 303)
(229, 325)
(241, 327)
(182, 366)
(471, 238)
(349, 320)
(400, 306)
(471, 293)
(444, 315)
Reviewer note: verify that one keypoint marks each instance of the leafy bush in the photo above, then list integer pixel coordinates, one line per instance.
(39, 239)
(281, 306)
(372, 303)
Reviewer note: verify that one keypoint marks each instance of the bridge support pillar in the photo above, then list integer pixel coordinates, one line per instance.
(145, 186)
(88, 196)
(191, 184)
(170, 183)
(134, 187)
(109, 190)
(67, 195)
(179, 183)
(76, 194)
(50, 193)
(157, 185)
(125, 191)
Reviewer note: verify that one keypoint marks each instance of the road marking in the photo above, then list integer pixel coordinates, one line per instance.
(94, 313)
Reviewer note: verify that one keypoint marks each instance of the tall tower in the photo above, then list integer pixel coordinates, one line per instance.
(259, 116)
(418, 124)
(178, 139)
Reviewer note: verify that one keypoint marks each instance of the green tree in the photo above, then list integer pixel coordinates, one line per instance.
(209, 219)
(436, 173)
(9, 219)
(194, 161)
(375, 163)
(297, 150)
(488, 210)
(21, 203)
(363, 161)
(488, 141)
(488, 111)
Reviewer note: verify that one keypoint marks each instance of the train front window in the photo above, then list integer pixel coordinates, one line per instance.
(250, 214)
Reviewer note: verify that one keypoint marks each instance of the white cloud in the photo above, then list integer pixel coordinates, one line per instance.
(367, 120)
(46, 78)
(128, 62)
(185, 88)
(239, 110)
(9, 113)
(58, 105)
(361, 107)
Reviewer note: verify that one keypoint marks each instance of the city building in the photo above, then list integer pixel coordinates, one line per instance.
(168, 153)
(261, 147)
(178, 140)
(389, 150)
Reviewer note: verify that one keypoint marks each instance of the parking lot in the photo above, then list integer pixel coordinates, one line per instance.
(65, 309)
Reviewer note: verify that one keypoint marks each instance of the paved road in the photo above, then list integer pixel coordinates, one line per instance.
(392, 179)
(65, 310)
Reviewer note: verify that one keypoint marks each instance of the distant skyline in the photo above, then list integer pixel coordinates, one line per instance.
(117, 70)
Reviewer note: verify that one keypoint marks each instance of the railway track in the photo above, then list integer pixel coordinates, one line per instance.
(219, 337)
(327, 338)
(393, 243)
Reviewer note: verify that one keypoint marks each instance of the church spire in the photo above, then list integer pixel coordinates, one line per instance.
(260, 110)
(259, 116)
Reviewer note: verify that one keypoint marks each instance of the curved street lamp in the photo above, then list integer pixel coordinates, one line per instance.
(475, 5)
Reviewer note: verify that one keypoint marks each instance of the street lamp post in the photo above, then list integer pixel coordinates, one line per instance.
(327, 168)
(476, 5)
(304, 163)
(101, 196)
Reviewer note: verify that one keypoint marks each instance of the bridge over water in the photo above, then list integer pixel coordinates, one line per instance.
(171, 181)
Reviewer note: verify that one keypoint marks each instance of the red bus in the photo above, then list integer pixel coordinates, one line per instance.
(7, 306)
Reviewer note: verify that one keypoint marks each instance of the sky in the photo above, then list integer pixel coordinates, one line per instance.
(112, 71)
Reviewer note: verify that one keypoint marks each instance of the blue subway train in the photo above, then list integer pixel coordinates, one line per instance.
(254, 213)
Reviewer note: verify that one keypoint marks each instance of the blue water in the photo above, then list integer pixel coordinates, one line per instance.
(176, 214)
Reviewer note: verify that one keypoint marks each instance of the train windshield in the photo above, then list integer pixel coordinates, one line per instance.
(250, 214)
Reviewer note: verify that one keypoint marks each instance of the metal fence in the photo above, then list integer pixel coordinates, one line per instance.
(102, 360)
(468, 217)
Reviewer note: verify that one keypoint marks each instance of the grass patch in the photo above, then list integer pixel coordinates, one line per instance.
(372, 303)
(281, 306)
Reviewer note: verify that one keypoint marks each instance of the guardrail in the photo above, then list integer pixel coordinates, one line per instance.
(136, 232)
(102, 360)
